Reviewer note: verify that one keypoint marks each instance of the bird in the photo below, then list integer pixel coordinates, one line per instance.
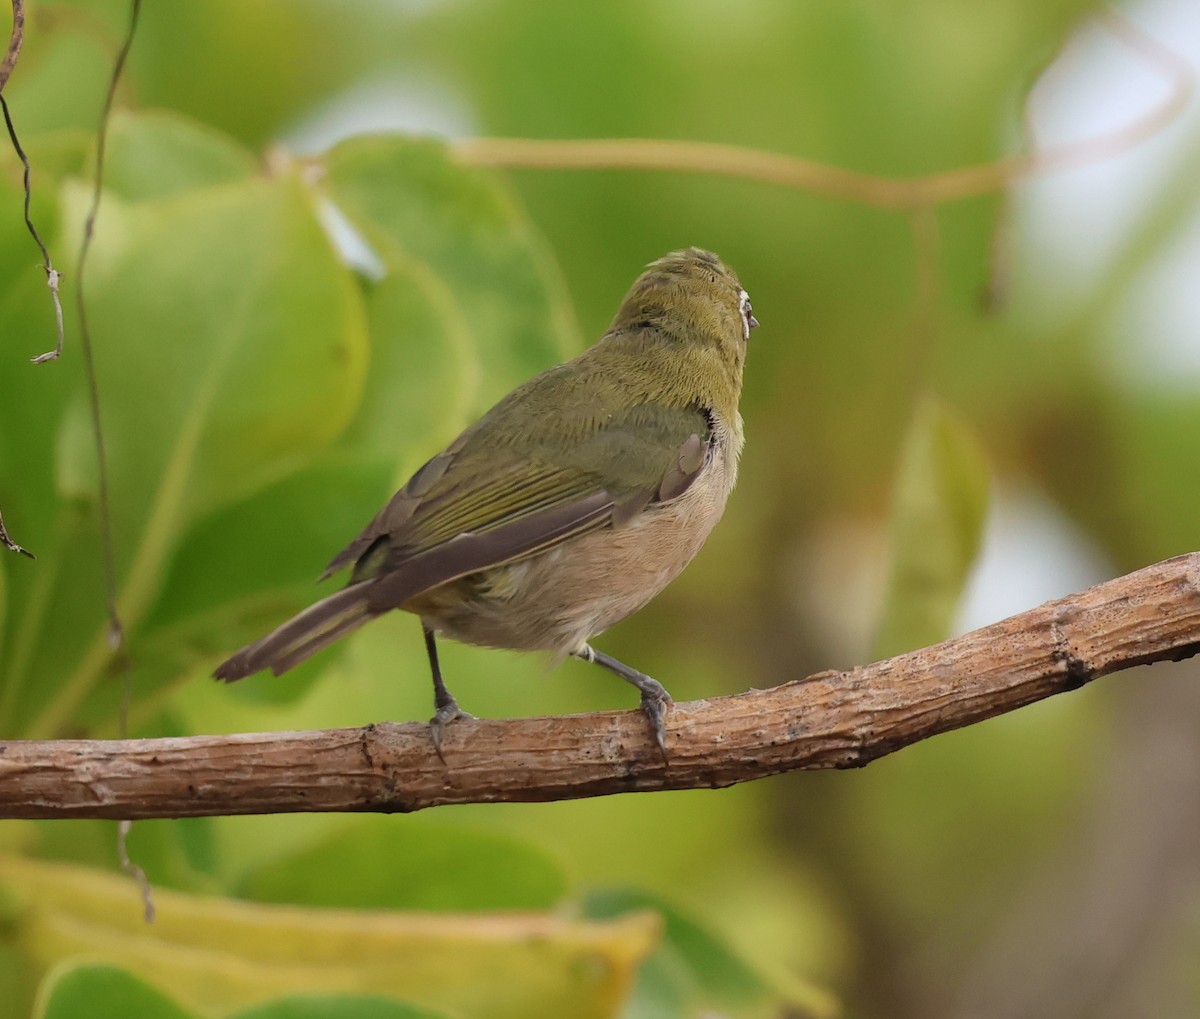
(566, 507)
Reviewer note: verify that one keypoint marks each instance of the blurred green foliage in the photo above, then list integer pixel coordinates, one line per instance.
(263, 394)
(937, 518)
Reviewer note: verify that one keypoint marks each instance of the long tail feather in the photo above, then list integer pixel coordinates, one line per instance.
(301, 636)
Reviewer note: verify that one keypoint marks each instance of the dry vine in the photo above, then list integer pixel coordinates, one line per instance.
(15, 42)
(895, 193)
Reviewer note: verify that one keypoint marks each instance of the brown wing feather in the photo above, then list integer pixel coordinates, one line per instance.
(470, 553)
(557, 444)
(388, 574)
(477, 485)
(402, 577)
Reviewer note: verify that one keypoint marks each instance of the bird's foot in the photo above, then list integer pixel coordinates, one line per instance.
(654, 705)
(447, 711)
(654, 695)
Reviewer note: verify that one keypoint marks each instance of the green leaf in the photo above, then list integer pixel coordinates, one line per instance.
(19, 991)
(216, 955)
(428, 864)
(156, 154)
(77, 989)
(338, 1006)
(414, 205)
(711, 967)
(234, 350)
(938, 513)
(693, 970)
(424, 375)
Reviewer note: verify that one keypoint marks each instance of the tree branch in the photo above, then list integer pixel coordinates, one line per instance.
(828, 720)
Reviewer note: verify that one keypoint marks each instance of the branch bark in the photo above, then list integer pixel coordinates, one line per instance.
(840, 719)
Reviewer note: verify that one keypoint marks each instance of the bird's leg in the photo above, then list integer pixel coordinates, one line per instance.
(654, 695)
(447, 707)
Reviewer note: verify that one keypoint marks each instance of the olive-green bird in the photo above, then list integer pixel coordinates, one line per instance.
(567, 506)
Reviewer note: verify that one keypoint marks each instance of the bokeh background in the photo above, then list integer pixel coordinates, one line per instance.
(1043, 863)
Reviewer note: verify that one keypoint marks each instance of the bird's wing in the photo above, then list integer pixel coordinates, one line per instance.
(481, 503)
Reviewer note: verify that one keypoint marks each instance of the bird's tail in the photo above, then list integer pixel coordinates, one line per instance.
(301, 636)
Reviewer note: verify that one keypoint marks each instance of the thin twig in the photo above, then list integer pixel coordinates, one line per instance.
(115, 633)
(53, 276)
(124, 826)
(115, 630)
(687, 157)
(8, 543)
(15, 42)
(829, 720)
(849, 185)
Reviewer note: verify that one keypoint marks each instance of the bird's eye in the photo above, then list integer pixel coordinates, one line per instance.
(748, 320)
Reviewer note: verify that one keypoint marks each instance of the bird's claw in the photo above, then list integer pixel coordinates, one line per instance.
(446, 713)
(654, 706)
